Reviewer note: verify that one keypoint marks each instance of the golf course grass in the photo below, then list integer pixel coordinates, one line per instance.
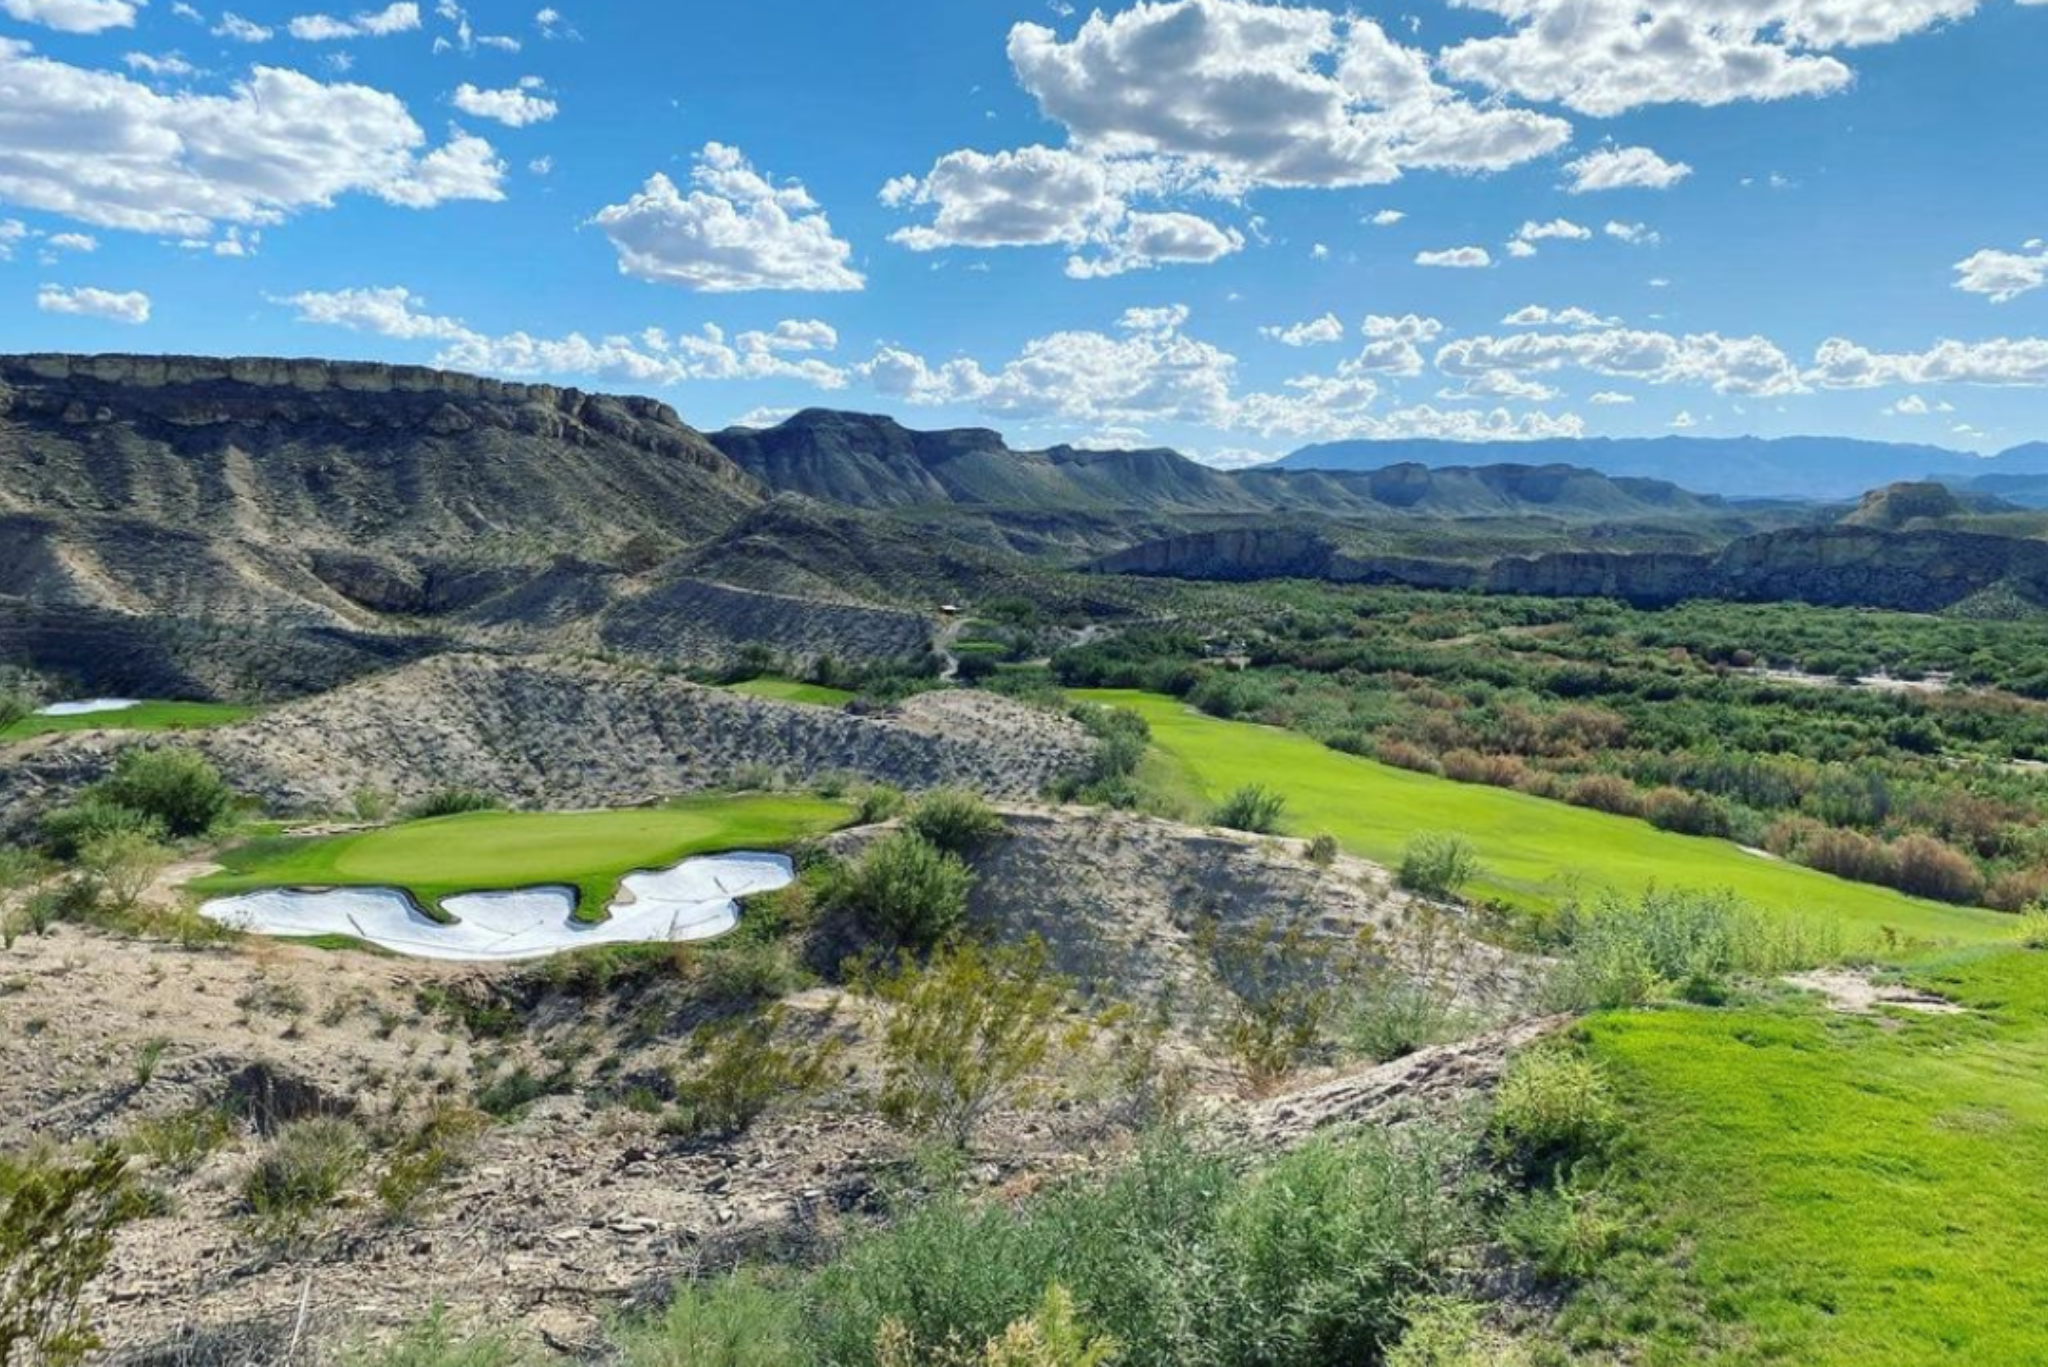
(790, 690)
(148, 716)
(496, 851)
(1828, 1190)
(1535, 852)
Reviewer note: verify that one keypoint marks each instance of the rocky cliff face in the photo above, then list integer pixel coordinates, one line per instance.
(1843, 566)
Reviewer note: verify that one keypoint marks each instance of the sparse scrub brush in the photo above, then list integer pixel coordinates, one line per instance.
(1688, 944)
(303, 1172)
(58, 1217)
(1254, 808)
(1438, 866)
(954, 819)
(453, 801)
(878, 802)
(742, 1068)
(1552, 1111)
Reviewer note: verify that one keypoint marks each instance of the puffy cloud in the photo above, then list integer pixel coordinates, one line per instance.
(241, 30)
(73, 242)
(1407, 327)
(1034, 196)
(652, 357)
(75, 16)
(1315, 332)
(516, 107)
(1623, 168)
(1147, 239)
(1604, 57)
(2001, 362)
(1611, 398)
(1386, 218)
(1729, 365)
(1266, 95)
(1536, 316)
(1456, 258)
(403, 17)
(2004, 276)
(168, 65)
(12, 230)
(734, 231)
(107, 150)
(1635, 234)
(131, 307)
(1558, 229)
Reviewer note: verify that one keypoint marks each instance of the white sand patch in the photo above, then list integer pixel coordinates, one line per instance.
(695, 900)
(87, 707)
(1858, 994)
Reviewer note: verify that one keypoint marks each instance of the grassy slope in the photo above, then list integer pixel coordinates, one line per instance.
(499, 850)
(789, 690)
(149, 716)
(1535, 851)
(1837, 1190)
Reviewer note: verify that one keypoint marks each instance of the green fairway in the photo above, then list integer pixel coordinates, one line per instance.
(1535, 852)
(483, 851)
(148, 716)
(1829, 1190)
(790, 690)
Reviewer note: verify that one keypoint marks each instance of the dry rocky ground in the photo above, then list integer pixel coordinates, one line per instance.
(576, 1204)
(561, 734)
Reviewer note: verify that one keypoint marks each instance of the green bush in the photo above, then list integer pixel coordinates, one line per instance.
(67, 830)
(179, 1142)
(180, 789)
(965, 1034)
(1450, 1332)
(1438, 866)
(1254, 808)
(738, 1321)
(301, 1174)
(1688, 944)
(1323, 851)
(1565, 1233)
(954, 819)
(122, 866)
(741, 1068)
(13, 707)
(425, 1159)
(58, 1217)
(907, 889)
(1552, 1111)
(452, 801)
(1051, 1336)
(878, 802)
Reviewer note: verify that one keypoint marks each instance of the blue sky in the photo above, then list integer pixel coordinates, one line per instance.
(1225, 226)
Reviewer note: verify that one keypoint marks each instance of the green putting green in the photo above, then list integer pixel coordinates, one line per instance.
(1535, 852)
(148, 716)
(791, 690)
(1831, 1190)
(491, 851)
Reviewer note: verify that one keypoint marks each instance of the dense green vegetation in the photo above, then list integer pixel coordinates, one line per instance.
(1706, 719)
(148, 716)
(591, 851)
(1533, 853)
(1809, 1187)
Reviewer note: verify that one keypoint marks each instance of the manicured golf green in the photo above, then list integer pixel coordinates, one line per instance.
(1828, 1190)
(148, 716)
(1535, 852)
(790, 690)
(490, 851)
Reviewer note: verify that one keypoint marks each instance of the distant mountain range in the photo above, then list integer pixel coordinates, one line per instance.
(1733, 467)
(863, 461)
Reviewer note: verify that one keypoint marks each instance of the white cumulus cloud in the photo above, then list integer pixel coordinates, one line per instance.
(516, 107)
(2004, 276)
(131, 306)
(1623, 168)
(1456, 258)
(403, 17)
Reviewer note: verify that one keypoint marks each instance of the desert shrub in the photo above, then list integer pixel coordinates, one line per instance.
(1496, 771)
(954, 819)
(1322, 851)
(67, 830)
(1606, 793)
(1690, 944)
(1386, 1014)
(1403, 755)
(741, 969)
(13, 707)
(2034, 927)
(301, 1174)
(372, 804)
(1254, 808)
(1925, 867)
(877, 802)
(440, 1147)
(1565, 1232)
(1452, 1332)
(122, 866)
(181, 789)
(1552, 1111)
(179, 1142)
(739, 1321)
(906, 889)
(1437, 865)
(1279, 1000)
(58, 1217)
(452, 801)
(1846, 854)
(741, 1068)
(75, 898)
(1674, 809)
(1051, 1336)
(965, 1035)
(2014, 890)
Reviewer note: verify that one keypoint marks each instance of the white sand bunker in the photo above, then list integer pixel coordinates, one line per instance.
(695, 900)
(87, 707)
